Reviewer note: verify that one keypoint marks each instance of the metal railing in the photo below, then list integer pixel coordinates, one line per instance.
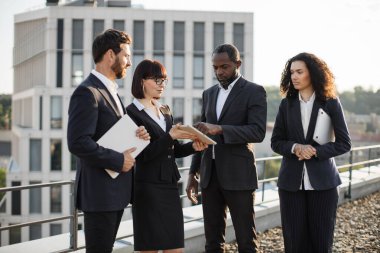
(74, 214)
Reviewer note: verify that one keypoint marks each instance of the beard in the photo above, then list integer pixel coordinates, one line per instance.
(119, 70)
(228, 81)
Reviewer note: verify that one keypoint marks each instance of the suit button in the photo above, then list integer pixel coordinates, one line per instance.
(169, 156)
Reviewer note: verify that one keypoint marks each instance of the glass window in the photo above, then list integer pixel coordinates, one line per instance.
(198, 71)
(118, 25)
(60, 24)
(35, 231)
(55, 112)
(59, 52)
(5, 148)
(179, 36)
(137, 58)
(14, 235)
(35, 195)
(159, 35)
(35, 155)
(242, 68)
(238, 36)
(97, 27)
(138, 35)
(178, 71)
(160, 58)
(55, 229)
(77, 69)
(56, 199)
(77, 34)
(199, 37)
(59, 69)
(16, 199)
(197, 110)
(218, 34)
(55, 154)
(178, 110)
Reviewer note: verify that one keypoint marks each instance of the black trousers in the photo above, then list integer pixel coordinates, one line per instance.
(308, 220)
(100, 229)
(215, 201)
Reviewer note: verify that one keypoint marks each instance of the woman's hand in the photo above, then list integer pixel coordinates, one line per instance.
(304, 152)
(177, 133)
(199, 146)
(142, 133)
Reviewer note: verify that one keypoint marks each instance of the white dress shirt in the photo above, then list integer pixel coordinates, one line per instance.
(306, 108)
(221, 100)
(160, 120)
(111, 87)
(222, 96)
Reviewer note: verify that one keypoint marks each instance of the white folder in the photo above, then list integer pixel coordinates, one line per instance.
(324, 131)
(121, 137)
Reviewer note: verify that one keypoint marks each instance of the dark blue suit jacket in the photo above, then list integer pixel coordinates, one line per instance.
(288, 130)
(92, 112)
(243, 120)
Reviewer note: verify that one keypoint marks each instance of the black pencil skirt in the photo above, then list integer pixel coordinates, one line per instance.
(157, 217)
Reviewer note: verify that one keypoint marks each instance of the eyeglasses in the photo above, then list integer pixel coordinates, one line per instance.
(159, 81)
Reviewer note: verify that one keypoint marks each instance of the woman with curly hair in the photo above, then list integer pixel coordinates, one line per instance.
(308, 177)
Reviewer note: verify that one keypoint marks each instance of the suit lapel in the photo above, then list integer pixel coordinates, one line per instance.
(313, 120)
(213, 98)
(106, 94)
(231, 97)
(167, 115)
(296, 116)
(122, 105)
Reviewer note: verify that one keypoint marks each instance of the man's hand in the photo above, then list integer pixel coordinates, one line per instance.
(208, 128)
(129, 161)
(192, 188)
(142, 133)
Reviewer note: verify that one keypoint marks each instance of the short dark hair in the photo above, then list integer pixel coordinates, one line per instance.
(109, 39)
(146, 69)
(321, 77)
(232, 51)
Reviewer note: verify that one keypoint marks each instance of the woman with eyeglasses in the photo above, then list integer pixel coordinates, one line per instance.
(157, 211)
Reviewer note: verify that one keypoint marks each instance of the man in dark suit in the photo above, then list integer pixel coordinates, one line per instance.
(94, 108)
(234, 115)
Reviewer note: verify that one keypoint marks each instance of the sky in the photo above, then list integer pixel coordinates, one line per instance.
(344, 33)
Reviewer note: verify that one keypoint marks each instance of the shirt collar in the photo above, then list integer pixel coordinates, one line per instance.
(231, 85)
(111, 85)
(311, 100)
(141, 107)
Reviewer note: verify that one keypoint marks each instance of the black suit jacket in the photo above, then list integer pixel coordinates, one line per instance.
(92, 112)
(288, 131)
(243, 120)
(156, 163)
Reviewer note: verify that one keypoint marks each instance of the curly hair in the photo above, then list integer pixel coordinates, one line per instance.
(322, 79)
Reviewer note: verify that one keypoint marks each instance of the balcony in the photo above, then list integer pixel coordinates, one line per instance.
(359, 170)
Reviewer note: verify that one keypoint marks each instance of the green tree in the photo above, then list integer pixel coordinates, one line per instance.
(2, 181)
(361, 101)
(274, 99)
(5, 111)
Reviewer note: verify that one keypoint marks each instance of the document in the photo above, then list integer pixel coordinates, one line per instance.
(121, 137)
(323, 132)
(202, 137)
